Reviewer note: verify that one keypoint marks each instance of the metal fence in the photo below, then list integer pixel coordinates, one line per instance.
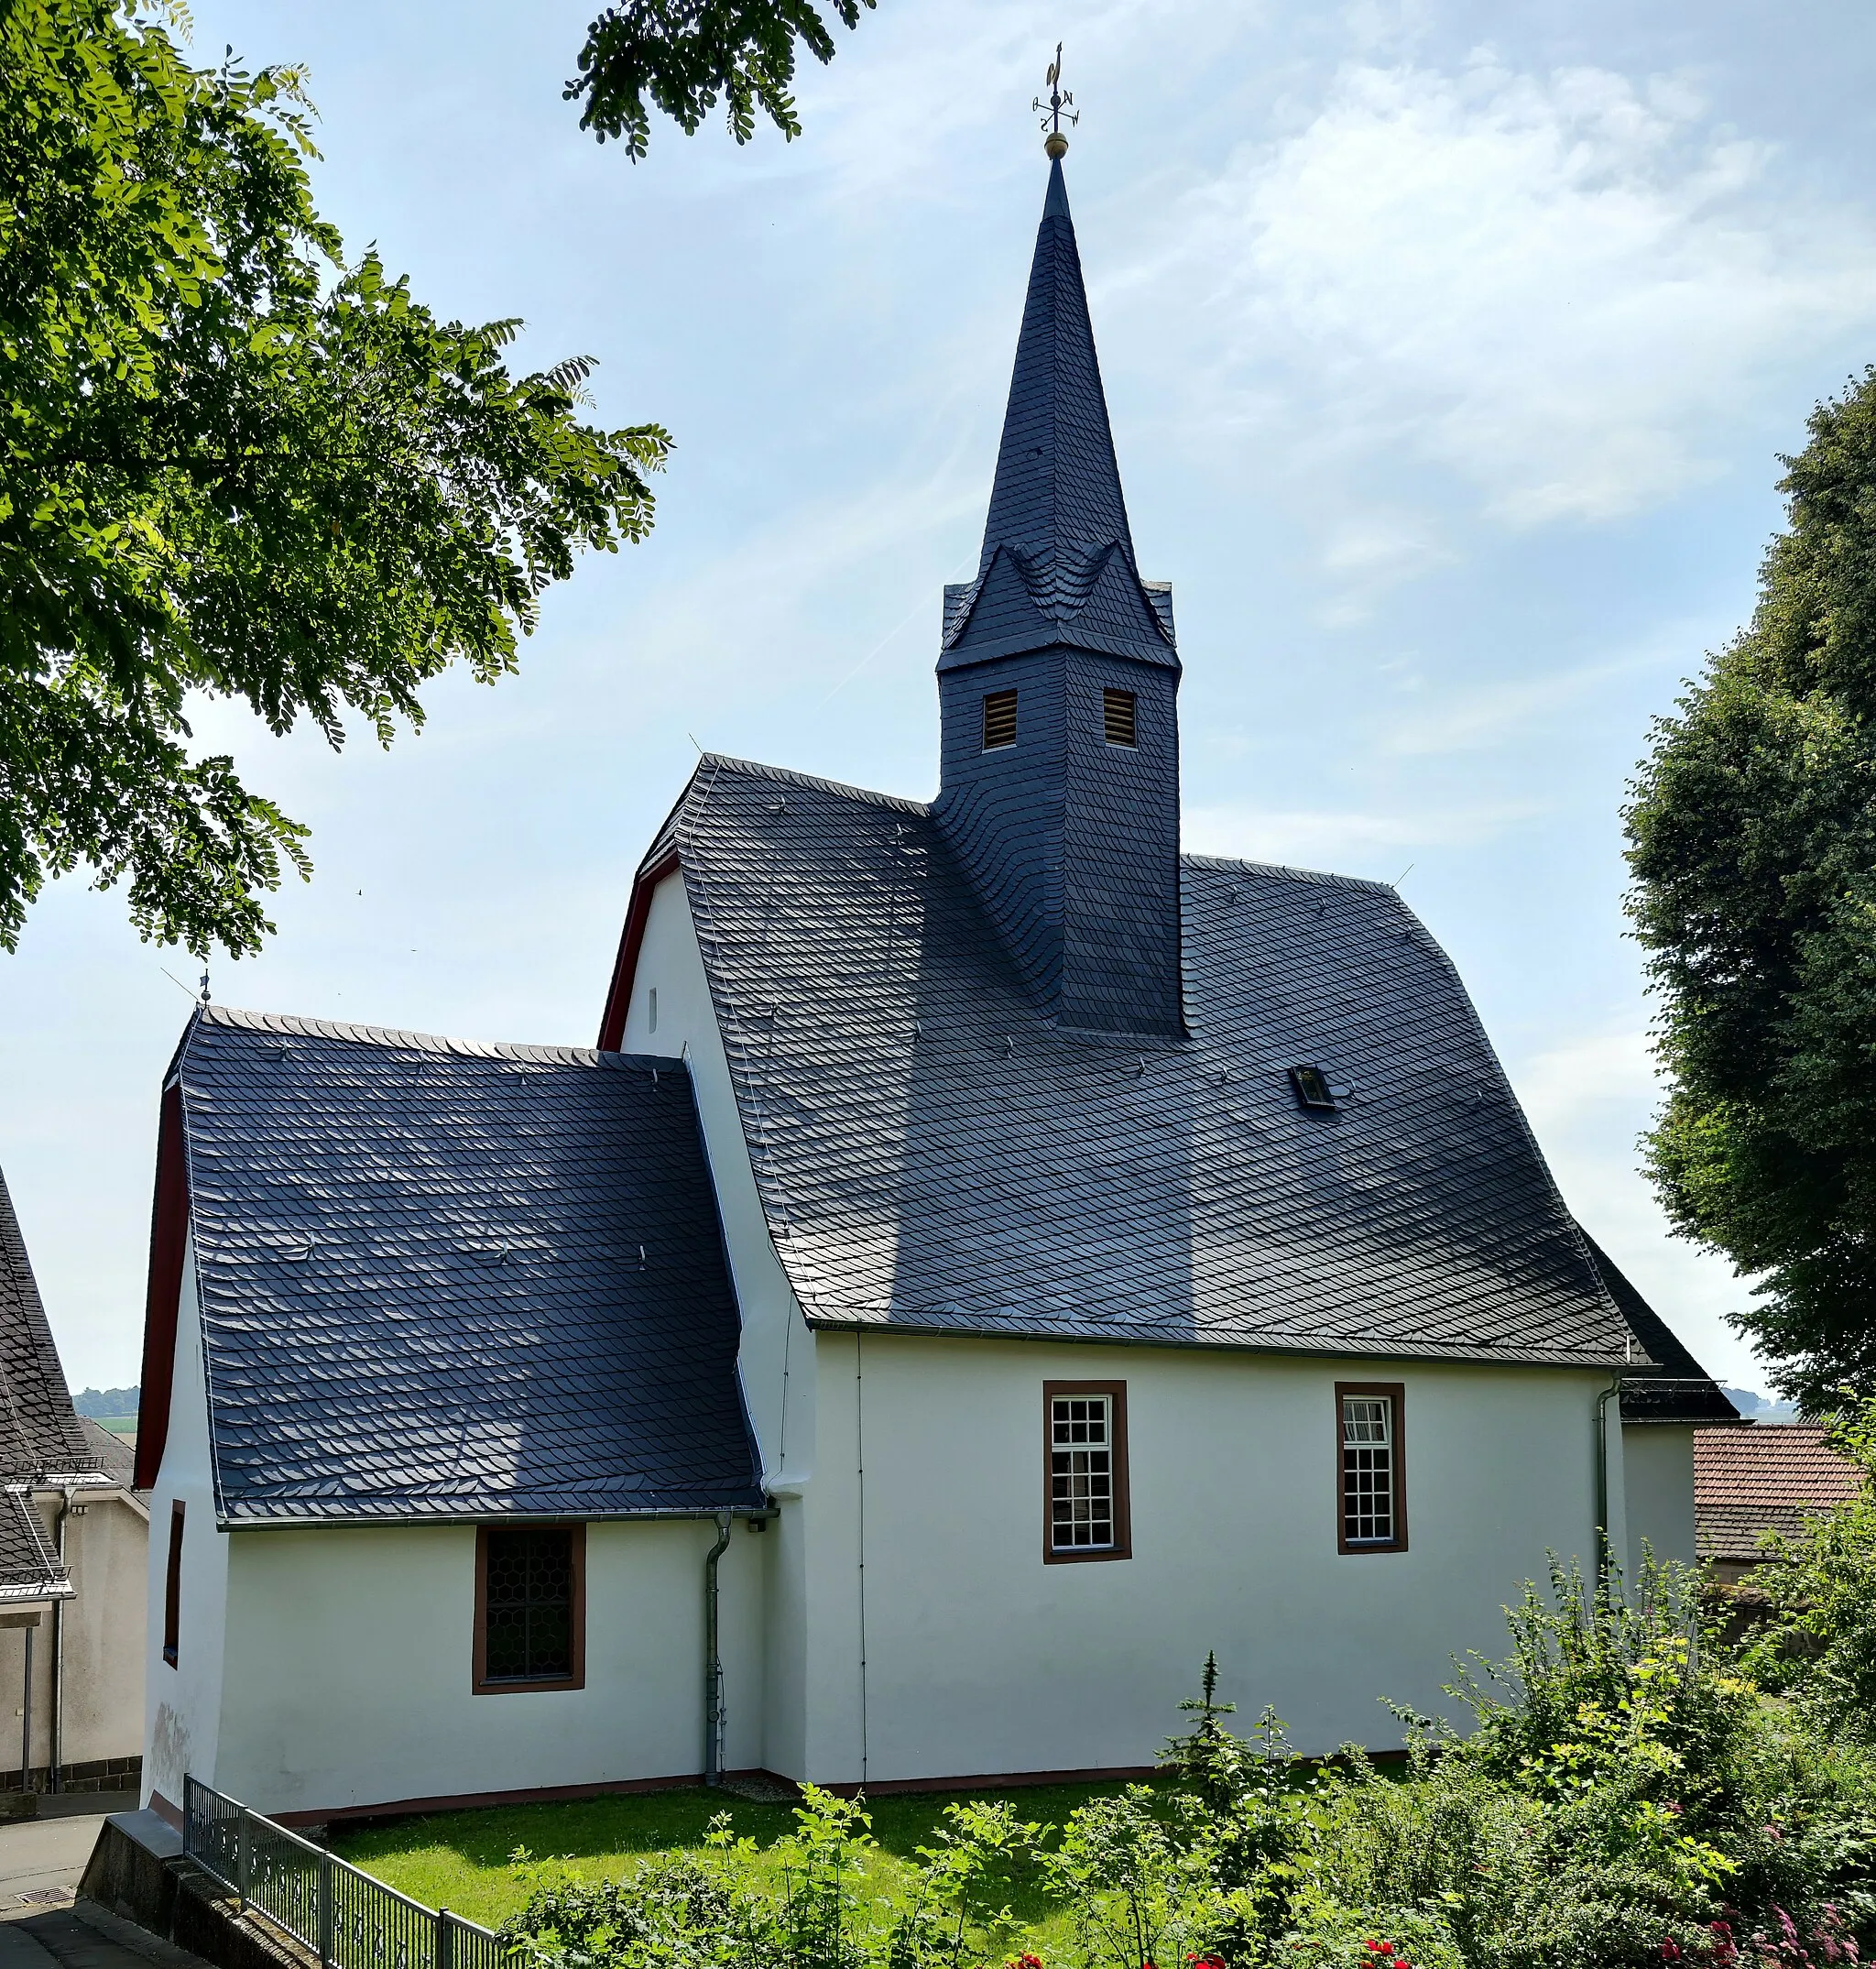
(350, 1919)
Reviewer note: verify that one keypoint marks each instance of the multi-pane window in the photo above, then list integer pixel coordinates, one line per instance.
(1081, 1471)
(1373, 1514)
(999, 719)
(530, 1604)
(1117, 717)
(1087, 1453)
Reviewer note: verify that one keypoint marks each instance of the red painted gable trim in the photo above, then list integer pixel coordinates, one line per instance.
(618, 999)
(169, 1240)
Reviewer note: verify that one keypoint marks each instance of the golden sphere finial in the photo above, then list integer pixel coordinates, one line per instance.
(1056, 144)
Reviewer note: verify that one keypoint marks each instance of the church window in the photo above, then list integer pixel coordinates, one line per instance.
(1117, 717)
(172, 1587)
(531, 1593)
(1086, 1470)
(999, 720)
(651, 1009)
(1373, 1504)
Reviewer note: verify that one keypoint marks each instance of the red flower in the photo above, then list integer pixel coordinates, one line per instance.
(1670, 1951)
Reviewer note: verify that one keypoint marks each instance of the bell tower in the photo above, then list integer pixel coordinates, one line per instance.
(1058, 689)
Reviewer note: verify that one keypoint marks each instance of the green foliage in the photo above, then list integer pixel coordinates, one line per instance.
(684, 54)
(1626, 1798)
(234, 464)
(1821, 1645)
(1753, 843)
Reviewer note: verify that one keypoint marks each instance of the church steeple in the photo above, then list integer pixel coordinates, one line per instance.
(1057, 563)
(1058, 685)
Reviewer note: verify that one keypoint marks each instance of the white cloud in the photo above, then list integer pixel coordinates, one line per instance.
(1560, 286)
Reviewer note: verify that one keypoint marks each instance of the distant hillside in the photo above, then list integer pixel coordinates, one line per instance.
(106, 1403)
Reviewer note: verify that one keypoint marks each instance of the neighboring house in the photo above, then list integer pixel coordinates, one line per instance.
(1767, 1477)
(73, 1554)
(990, 1260)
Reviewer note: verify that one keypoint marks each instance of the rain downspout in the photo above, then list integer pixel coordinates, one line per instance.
(26, 1712)
(1604, 1556)
(57, 1750)
(713, 1659)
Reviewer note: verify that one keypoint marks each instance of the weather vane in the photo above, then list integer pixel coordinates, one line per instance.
(1059, 99)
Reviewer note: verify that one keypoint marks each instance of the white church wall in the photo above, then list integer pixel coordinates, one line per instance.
(776, 1359)
(1658, 1482)
(350, 1652)
(981, 1659)
(670, 966)
(183, 1704)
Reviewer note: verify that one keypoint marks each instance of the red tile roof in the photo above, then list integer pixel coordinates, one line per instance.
(1749, 1481)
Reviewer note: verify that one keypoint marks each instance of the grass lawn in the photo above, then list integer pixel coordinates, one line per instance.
(460, 1860)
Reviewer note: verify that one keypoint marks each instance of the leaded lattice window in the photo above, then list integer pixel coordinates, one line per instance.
(1081, 1472)
(530, 1604)
(1367, 1470)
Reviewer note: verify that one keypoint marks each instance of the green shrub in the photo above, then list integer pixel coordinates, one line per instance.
(1821, 1645)
(1625, 1799)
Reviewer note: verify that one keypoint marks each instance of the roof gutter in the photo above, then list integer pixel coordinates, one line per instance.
(352, 1520)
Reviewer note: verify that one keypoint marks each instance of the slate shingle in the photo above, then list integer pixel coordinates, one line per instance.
(28, 1567)
(421, 1280)
(934, 1155)
(39, 1427)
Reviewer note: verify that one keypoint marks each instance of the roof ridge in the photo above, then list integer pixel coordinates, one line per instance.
(783, 773)
(1233, 865)
(384, 1035)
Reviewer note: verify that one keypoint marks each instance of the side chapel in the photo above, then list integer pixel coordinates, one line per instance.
(989, 1260)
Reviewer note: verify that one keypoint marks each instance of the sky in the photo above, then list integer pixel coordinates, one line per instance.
(1449, 350)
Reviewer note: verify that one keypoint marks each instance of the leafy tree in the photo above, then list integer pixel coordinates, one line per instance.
(684, 54)
(234, 464)
(1822, 1584)
(1753, 842)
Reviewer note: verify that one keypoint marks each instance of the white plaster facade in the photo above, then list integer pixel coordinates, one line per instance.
(88, 1655)
(894, 1622)
(1658, 1458)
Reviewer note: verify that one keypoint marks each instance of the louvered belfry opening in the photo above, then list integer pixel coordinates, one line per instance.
(1070, 838)
(1117, 720)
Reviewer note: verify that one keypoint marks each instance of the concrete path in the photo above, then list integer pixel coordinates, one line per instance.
(38, 1856)
(84, 1936)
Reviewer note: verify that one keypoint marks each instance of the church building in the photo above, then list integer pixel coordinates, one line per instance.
(989, 1261)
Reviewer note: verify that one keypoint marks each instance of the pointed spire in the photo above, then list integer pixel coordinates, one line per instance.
(1057, 517)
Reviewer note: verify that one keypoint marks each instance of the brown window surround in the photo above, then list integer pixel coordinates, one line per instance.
(1395, 1393)
(172, 1586)
(1076, 1487)
(509, 1547)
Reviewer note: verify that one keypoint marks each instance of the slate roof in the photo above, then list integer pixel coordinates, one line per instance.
(39, 1427)
(935, 1157)
(111, 1455)
(1057, 564)
(1684, 1391)
(28, 1569)
(1767, 1477)
(446, 1280)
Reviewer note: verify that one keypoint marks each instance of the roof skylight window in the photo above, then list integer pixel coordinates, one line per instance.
(1313, 1089)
